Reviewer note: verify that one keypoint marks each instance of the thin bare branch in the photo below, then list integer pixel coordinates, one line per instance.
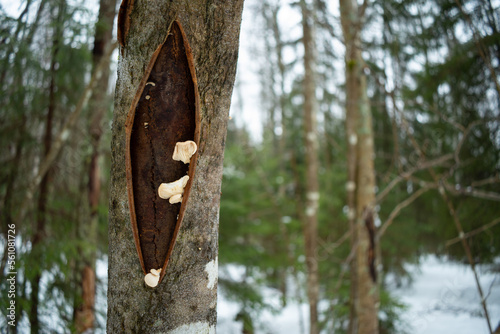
(406, 175)
(470, 191)
(362, 10)
(345, 267)
(329, 247)
(400, 207)
(490, 180)
(473, 232)
(451, 209)
(445, 118)
(481, 50)
(470, 258)
(466, 132)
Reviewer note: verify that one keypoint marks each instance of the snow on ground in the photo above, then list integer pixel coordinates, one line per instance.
(289, 320)
(441, 299)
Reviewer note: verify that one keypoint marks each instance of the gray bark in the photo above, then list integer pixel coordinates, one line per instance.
(185, 302)
(361, 178)
(84, 315)
(310, 217)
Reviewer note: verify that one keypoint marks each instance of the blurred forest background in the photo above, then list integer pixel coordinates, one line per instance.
(425, 77)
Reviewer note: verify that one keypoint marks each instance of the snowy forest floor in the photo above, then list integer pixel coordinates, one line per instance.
(441, 298)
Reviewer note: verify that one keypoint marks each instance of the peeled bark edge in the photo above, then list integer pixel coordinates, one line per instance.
(124, 21)
(192, 166)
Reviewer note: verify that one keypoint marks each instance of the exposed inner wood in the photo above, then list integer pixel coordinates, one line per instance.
(165, 115)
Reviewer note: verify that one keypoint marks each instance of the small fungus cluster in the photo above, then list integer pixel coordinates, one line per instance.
(183, 151)
(173, 191)
(153, 277)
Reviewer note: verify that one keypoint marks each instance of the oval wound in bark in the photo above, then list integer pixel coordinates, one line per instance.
(165, 110)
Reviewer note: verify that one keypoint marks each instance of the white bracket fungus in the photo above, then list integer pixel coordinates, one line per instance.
(175, 199)
(168, 190)
(183, 151)
(152, 278)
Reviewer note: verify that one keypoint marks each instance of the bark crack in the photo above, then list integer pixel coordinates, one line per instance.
(153, 185)
(370, 226)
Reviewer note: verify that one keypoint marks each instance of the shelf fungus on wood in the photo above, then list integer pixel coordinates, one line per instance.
(165, 113)
(152, 279)
(184, 151)
(173, 189)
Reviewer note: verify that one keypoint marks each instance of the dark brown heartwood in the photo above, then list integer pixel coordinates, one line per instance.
(165, 111)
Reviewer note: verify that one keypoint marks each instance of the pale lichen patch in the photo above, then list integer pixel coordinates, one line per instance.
(212, 268)
(353, 139)
(350, 186)
(313, 196)
(200, 327)
(310, 211)
(311, 136)
(312, 203)
(65, 134)
(351, 214)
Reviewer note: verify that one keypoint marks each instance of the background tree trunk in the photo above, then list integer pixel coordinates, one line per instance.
(41, 215)
(361, 178)
(98, 105)
(310, 217)
(185, 302)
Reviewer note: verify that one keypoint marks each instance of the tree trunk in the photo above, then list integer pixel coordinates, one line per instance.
(7, 208)
(361, 179)
(98, 105)
(185, 301)
(44, 184)
(310, 218)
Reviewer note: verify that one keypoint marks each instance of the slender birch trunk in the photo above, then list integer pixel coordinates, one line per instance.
(361, 178)
(98, 105)
(310, 220)
(41, 210)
